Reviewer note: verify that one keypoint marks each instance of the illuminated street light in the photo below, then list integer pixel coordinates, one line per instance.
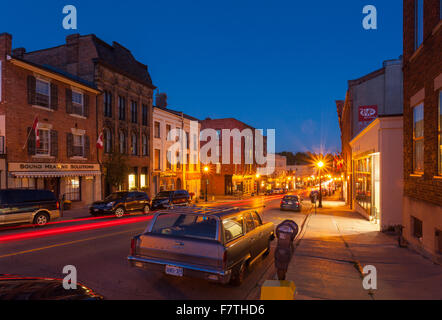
(320, 165)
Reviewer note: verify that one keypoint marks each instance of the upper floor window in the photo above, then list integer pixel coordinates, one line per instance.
(77, 145)
(145, 115)
(121, 108)
(145, 150)
(107, 140)
(77, 103)
(418, 23)
(157, 132)
(43, 147)
(134, 146)
(42, 93)
(134, 111)
(168, 129)
(107, 103)
(122, 142)
(418, 138)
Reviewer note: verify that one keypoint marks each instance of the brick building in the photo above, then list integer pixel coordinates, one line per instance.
(422, 42)
(60, 153)
(227, 179)
(124, 109)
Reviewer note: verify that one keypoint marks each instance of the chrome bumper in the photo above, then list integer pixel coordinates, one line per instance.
(220, 276)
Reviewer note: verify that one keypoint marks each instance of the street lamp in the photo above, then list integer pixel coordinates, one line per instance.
(320, 164)
(206, 171)
(257, 183)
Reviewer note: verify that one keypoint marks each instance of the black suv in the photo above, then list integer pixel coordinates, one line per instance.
(167, 199)
(121, 202)
(19, 206)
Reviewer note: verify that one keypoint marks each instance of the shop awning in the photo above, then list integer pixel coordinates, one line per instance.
(49, 174)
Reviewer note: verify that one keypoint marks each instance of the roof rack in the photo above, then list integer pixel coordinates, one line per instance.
(208, 210)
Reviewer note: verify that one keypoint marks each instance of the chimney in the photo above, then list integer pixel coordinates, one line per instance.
(72, 53)
(161, 100)
(5, 45)
(19, 52)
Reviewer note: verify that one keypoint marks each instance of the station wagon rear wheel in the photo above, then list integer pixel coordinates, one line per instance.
(240, 275)
(119, 212)
(41, 219)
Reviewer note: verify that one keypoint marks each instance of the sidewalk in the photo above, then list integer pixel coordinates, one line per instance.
(337, 243)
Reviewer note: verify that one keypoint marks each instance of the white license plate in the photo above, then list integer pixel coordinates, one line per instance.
(174, 271)
(290, 202)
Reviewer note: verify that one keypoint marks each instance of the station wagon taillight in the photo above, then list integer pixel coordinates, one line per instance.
(225, 259)
(132, 246)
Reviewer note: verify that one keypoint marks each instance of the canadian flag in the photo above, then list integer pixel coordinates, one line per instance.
(100, 143)
(35, 128)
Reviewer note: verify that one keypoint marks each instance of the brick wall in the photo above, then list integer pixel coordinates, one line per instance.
(421, 67)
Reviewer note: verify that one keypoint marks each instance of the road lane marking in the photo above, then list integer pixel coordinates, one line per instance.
(67, 243)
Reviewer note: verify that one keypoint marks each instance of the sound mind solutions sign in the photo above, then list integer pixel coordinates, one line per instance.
(52, 167)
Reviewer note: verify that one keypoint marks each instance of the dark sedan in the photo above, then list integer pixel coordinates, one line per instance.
(291, 203)
(168, 199)
(122, 202)
(14, 287)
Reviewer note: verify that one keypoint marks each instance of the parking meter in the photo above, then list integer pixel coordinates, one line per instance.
(285, 233)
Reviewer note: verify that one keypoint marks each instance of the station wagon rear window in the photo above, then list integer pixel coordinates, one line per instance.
(186, 225)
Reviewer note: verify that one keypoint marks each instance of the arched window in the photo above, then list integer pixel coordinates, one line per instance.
(122, 142)
(107, 140)
(144, 145)
(134, 146)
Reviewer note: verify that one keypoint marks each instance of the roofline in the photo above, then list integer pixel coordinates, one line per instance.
(107, 65)
(52, 73)
(174, 112)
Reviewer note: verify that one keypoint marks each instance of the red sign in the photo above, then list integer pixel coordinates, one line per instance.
(368, 113)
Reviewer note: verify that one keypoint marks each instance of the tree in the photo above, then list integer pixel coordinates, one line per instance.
(116, 169)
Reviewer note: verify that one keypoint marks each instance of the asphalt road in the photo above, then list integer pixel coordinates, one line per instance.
(98, 249)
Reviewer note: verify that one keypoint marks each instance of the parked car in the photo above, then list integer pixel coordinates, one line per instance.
(216, 244)
(278, 191)
(121, 202)
(18, 206)
(290, 203)
(268, 192)
(167, 199)
(14, 287)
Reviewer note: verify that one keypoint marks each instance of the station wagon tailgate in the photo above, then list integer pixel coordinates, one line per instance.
(183, 238)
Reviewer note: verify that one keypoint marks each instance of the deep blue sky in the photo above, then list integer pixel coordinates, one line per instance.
(272, 64)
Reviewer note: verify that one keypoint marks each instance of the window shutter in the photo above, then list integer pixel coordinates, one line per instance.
(54, 96)
(31, 90)
(69, 101)
(31, 141)
(87, 147)
(86, 105)
(54, 143)
(69, 144)
(111, 104)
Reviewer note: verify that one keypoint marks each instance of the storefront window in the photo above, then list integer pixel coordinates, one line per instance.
(73, 189)
(143, 181)
(363, 184)
(132, 182)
